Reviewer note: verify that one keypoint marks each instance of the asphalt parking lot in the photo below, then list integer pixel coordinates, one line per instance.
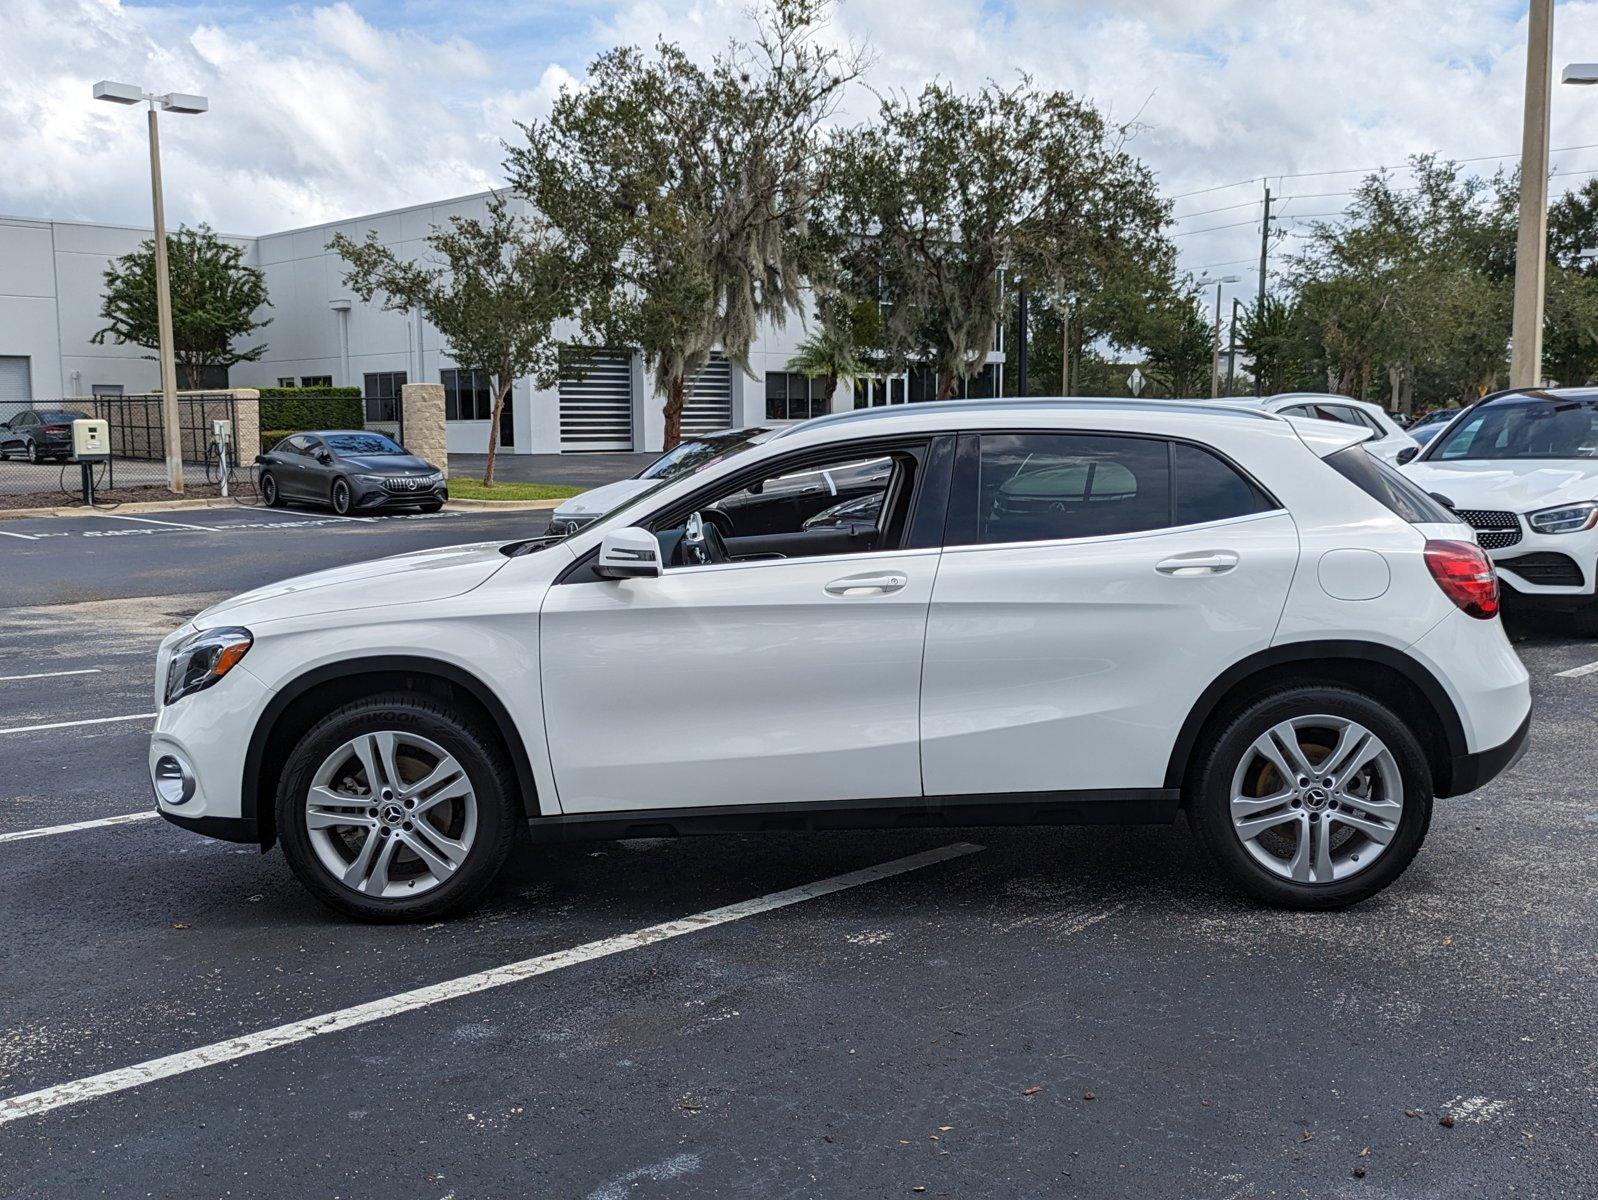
(1072, 1012)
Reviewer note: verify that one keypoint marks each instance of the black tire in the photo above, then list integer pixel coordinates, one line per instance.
(33, 453)
(1209, 798)
(499, 810)
(341, 497)
(270, 495)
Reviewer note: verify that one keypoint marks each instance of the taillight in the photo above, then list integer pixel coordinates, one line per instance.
(1466, 575)
(55, 429)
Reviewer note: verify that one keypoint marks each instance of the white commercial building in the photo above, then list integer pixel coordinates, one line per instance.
(51, 282)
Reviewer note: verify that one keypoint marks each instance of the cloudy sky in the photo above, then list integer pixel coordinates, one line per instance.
(322, 110)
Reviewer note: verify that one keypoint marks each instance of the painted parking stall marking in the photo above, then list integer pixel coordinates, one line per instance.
(73, 724)
(50, 674)
(1577, 672)
(24, 835)
(28, 1104)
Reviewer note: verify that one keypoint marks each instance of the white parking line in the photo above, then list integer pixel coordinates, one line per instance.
(44, 1100)
(71, 724)
(49, 674)
(150, 521)
(27, 537)
(1578, 672)
(23, 835)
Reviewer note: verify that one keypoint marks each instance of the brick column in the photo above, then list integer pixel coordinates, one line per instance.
(246, 425)
(422, 409)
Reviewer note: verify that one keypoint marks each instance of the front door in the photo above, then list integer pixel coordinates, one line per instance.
(779, 675)
(1084, 604)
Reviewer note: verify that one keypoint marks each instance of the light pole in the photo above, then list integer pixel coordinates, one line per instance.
(1531, 242)
(1215, 339)
(1231, 349)
(178, 102)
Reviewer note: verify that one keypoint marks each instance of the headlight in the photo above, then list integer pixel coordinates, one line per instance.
(1568, 518)
(377, 480)
(203, 658)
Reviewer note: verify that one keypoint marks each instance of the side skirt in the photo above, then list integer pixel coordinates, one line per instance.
(1147, 806)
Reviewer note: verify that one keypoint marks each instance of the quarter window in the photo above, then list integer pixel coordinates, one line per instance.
(1040, 487)
(1210, 489)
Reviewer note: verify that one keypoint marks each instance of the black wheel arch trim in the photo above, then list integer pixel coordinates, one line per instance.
(1411, 669)
(385, 664)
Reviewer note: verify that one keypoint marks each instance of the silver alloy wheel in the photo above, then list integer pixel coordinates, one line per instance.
(1317, 798)
(341, 497)
(391, 814)
(268, 489)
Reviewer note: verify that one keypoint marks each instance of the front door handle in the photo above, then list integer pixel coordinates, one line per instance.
(1209, 562)
(867, 585)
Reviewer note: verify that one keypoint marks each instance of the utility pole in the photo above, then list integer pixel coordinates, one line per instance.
(1265, 250)
(1215, 348)
(1020, 337)
(1231, 348)
(171, 430)
(1531, 243)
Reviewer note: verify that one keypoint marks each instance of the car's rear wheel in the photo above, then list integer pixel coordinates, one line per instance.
(270, 496)
(1313, 797)
(33, 452)
(396, 808)
(341, 497)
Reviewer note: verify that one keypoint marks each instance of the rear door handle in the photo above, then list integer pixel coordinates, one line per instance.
(867, 585)
(1210, 562)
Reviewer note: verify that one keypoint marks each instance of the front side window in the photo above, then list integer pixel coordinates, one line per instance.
(1520, 426)
(1044, 486)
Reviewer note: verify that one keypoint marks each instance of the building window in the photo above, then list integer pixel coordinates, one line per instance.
(285, 381)
(382, 392)
(981, 386)
(468, 395)
(323, 381)
(794, 397)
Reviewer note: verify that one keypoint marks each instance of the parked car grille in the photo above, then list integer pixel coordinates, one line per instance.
(1494, 529)
(407, 484)
(1547, 569)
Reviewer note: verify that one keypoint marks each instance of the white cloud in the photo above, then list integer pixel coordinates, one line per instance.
(318, 112)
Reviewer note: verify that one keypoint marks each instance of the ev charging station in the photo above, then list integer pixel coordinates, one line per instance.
(222, 439)
(91, 445)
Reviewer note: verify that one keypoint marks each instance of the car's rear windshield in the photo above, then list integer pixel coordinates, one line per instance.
(56, 416)
(1521, 426)
(1386, 486)
(362, 443)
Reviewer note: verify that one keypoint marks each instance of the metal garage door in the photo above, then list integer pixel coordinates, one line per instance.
(16, 384)
(707, 405)
(596, 399)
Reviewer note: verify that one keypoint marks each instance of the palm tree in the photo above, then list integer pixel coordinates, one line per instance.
(829, 356)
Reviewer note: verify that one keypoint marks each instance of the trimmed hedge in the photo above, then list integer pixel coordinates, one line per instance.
(287, 410)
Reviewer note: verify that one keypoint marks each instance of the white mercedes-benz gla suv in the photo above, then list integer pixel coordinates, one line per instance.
(1522, 468)
(1054, 611)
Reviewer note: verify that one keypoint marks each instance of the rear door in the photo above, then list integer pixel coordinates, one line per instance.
(1091, 587)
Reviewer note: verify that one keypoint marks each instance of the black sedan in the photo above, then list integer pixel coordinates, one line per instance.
(38, 434)
(351, 470)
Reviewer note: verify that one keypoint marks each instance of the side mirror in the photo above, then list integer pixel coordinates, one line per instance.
(1407, 454)
(323, 457)
(630, 553)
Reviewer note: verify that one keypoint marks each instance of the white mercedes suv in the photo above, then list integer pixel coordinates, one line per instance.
(1053, 611)
(1522, 468)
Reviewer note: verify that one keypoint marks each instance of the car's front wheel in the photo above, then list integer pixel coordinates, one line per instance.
(397, 808)
(1313, 797)
(341, 497)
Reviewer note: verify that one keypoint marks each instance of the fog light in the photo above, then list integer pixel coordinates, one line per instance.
(174, 782)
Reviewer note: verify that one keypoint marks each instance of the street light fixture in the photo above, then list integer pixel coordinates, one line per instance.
(1215, 341)
(1579, 73)
(176, 102)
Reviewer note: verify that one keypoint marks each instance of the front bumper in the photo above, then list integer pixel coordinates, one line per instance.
(368, 497)
(1471, 771)
(206, 732)
(1581, 549)
(225, 829)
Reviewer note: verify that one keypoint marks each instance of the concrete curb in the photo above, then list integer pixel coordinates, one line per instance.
(131, 506)
(504, 505)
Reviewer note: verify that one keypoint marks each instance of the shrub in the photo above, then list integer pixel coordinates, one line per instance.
(286, 410)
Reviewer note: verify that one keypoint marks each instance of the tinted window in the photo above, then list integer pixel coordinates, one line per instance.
(1037, 487)
(363, 443)
(1385, 485)
(1525, 427)
(298, 444)
(1210, 489)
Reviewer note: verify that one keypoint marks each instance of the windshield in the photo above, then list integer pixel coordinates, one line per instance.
(1523, 427)
(362, 443)
(687, 457)
(57, 416)
(719, 451)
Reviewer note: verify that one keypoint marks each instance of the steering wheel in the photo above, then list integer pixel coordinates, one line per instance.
(702, 543)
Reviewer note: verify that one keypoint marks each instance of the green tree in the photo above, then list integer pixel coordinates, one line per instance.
(1274, 335)
(215, 298)
(830, 352)
(494, 289)
(685, 192)
(945, 190)
(1181, 350)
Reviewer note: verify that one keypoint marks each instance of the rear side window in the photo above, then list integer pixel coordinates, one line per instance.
(1390, 489)
(1210, 489)
(1039, 487)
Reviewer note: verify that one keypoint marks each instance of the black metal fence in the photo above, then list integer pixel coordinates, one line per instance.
(36, 463)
